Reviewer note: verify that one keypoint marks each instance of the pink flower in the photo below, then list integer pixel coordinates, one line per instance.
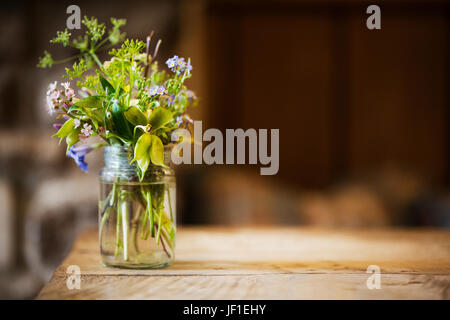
(70, 93)
(87, 130)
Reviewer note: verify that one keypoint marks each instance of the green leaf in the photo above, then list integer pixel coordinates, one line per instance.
(65, 130)
(92, 102)
(113, 135)
(120, 122)
(142, 152)
(149, 148)
(157, 151)
(72, 138)
(107, 87)
(159, 117)
(136, 116)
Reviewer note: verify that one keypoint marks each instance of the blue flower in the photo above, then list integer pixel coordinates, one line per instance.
(187, 66)
(157, 90)
(179, 120)
(172, 63)
(178, 65)
(78, 154)
(171, 100)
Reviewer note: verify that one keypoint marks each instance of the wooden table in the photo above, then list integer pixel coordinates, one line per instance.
(271, 263)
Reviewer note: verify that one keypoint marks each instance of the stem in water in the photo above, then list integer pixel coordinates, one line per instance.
(124, 214)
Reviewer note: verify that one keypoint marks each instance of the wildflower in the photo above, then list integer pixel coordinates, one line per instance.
(50, 105)
(180, 62)
(187, 66)
(57, 126)
(179, 120)
(157, 90)
(153, 91)
(76, 123)
(172, 63)
(171, 100)
(68, 90)
(78, 154)
(162, 90)
(178, 65)
(59, 98)
(191, 95)
(87, 130)
(52, 87)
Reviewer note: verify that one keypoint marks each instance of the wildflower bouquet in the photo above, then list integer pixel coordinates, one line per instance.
(133, 107)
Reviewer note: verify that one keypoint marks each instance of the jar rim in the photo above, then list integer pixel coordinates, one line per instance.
(123, 152)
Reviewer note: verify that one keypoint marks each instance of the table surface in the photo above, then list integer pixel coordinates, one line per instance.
(270, 263)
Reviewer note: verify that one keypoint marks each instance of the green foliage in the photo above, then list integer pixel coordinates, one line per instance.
(149, 148)
(69, 132)
(159, 117)
(46, 61)
(95, 30)
(118, 103)
(61, 37)
(121, 124)
(65, 130)
(129, 50)
(77, 70)
(115, 36)
(135, 116)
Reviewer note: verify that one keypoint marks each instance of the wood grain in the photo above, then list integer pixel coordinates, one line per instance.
(271, 263)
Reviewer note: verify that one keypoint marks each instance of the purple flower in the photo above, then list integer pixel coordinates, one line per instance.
(191, 95)
(78, 154)
(57, 126)
(171, 100)
(186, 65)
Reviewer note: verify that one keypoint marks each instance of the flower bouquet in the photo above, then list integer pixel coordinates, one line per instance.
(132, 108)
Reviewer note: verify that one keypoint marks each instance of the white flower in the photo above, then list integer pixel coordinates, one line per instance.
(54, 95)
(76, 123)
(66, 85)
(87, 130)
(50, 105)
(51, 87)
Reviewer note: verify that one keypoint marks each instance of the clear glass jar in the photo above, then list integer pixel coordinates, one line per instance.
(137, 219)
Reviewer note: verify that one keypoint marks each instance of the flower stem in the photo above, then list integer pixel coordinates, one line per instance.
(150, 211)
(94, 56)
(116, 252)
(170, 204)
(124, 214)
(159, 228)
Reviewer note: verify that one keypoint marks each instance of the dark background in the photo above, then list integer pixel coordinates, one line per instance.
(363, 116)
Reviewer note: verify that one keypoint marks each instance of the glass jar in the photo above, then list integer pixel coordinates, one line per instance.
(137, 219)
